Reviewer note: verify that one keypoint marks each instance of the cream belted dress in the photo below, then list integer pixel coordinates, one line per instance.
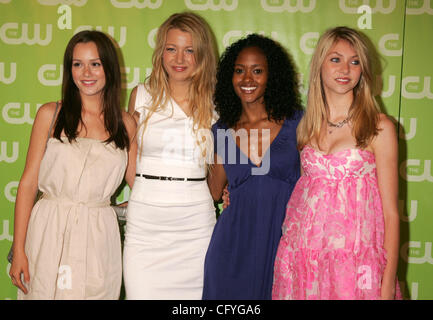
(73, 241)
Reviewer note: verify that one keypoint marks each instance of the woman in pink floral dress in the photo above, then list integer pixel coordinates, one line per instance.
(341, 231)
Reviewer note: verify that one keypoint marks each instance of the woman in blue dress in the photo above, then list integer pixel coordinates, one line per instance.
(258, 103)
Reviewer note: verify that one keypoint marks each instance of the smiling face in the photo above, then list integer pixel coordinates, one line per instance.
(341, 69)
(178, 57)
(250, 75)
(87, 70)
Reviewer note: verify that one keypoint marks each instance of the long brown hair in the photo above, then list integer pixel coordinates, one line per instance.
(364, 112)
(203, 80)
(70, 114)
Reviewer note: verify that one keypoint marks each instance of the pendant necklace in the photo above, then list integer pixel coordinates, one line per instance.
(337, 125)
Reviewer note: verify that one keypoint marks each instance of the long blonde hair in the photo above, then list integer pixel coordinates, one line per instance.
(364, 111)
(203, 80)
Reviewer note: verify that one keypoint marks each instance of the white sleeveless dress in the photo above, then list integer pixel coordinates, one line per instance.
(169, 223)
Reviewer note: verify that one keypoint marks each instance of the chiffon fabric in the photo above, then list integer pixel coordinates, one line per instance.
(333, 233)
(169, 223)
(73, 241)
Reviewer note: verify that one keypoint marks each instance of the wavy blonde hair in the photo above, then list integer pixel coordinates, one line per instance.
(203, 80)
(364, 111)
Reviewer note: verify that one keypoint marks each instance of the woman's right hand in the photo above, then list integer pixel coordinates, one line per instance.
(226, 197)
(19, 266)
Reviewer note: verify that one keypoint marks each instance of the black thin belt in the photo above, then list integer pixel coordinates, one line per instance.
(168, 178)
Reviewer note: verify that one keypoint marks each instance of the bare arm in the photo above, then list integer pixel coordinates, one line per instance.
(385, 148)
(217, 179)
(27, 189)
(131, 127)
(131, 105)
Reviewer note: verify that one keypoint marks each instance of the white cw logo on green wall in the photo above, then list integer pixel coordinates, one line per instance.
(34, 34)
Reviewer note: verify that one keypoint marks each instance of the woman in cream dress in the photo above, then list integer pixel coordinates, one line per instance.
(68, 245)
(171, 214)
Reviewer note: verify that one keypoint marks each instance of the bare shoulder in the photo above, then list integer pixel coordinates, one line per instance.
(45, 113)
(387, 136)
(129, 121)
(385, 123)
(47, 108)
(132, 98)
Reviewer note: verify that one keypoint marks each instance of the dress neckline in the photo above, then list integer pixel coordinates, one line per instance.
(83, 138)
(267, 150)
(179, 109)
(337, 152)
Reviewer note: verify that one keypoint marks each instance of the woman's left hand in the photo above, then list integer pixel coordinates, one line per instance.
(387, 292)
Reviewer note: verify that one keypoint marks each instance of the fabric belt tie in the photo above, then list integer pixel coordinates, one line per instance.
(74, 236)
(168, 178)
(92, 204)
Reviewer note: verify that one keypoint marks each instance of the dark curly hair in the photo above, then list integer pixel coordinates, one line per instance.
(282, 97)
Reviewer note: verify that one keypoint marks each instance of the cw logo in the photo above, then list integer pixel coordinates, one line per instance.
(12, 73)
(123, 31)
(414, 248)
(137, 4)
(308, 42)
(136, 77)
(4, 152)
(412, 211)
(354, 4)
(234, 35)
(13, 113)
(391, 87)
(78, 3)
(151, 38)
(274, 6)
(412, 130)
(48, 76)
(135, 74)
(413, 84)
(11, 191)
(407, 167)
(6, 235)
(12, 33)
(387, 47)
(214, 5)
(302, 85)
(419, 7)
(413, 294)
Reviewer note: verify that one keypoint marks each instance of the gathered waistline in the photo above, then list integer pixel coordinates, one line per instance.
(66, 201)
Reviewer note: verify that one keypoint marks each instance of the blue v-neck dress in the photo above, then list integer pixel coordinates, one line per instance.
(239, 262)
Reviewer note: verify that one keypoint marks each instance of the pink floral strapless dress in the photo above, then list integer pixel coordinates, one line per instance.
(333, 233)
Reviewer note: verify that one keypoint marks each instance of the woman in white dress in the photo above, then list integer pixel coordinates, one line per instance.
(170, 214)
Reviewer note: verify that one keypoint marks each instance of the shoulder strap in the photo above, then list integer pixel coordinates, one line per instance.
(52, 123)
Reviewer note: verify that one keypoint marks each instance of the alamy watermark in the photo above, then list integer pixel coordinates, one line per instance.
(191, 146)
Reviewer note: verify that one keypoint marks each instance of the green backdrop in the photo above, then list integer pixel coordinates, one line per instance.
(34, 34)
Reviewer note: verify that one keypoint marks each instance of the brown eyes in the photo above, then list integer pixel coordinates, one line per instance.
(240, 70)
